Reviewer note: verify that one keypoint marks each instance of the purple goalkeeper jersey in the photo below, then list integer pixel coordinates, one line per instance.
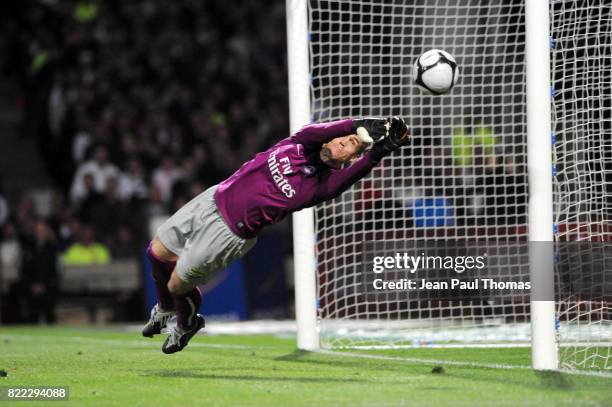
(285, 178)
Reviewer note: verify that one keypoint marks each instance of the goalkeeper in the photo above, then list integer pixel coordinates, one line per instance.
(317, 163)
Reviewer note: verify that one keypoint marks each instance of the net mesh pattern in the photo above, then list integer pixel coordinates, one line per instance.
(582, 92)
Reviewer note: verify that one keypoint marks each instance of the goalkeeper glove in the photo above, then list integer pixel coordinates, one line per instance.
(398, 136)
(371, 129)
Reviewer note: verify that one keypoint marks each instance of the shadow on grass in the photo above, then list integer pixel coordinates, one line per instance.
(302, 356)
(295, 356)
(358, 364)
(554, 380)
(195, 374)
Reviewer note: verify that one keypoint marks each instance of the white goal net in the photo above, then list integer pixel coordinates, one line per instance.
(464, 177)
(582, 93)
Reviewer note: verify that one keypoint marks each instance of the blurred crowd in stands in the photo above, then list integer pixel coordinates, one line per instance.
(136, 106)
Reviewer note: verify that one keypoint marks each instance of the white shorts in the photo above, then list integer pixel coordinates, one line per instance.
(199, 236)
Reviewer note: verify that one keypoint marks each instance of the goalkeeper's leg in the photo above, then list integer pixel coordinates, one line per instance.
(188, 321)
(162, 263)
(203, 244)
(184, 300)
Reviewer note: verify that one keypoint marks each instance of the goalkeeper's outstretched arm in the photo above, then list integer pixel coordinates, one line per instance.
(339, 181)
(313, 136)
(369, 130)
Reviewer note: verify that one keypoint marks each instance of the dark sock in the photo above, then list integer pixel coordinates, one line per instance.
(187, 306)
(161, 271)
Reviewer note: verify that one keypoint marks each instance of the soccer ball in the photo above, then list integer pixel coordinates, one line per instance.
(435, 72)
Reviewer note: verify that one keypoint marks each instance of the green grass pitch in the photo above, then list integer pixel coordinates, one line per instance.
(108, 367)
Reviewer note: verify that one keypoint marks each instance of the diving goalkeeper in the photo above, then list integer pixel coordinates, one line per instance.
(316, 164)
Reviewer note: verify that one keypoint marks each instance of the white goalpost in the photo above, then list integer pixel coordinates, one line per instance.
(517, 154)
(303, 221)
(539, 150)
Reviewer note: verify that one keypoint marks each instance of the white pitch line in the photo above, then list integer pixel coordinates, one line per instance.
(471, 346)
(424, 361)
(457, 363)
(442, 346)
